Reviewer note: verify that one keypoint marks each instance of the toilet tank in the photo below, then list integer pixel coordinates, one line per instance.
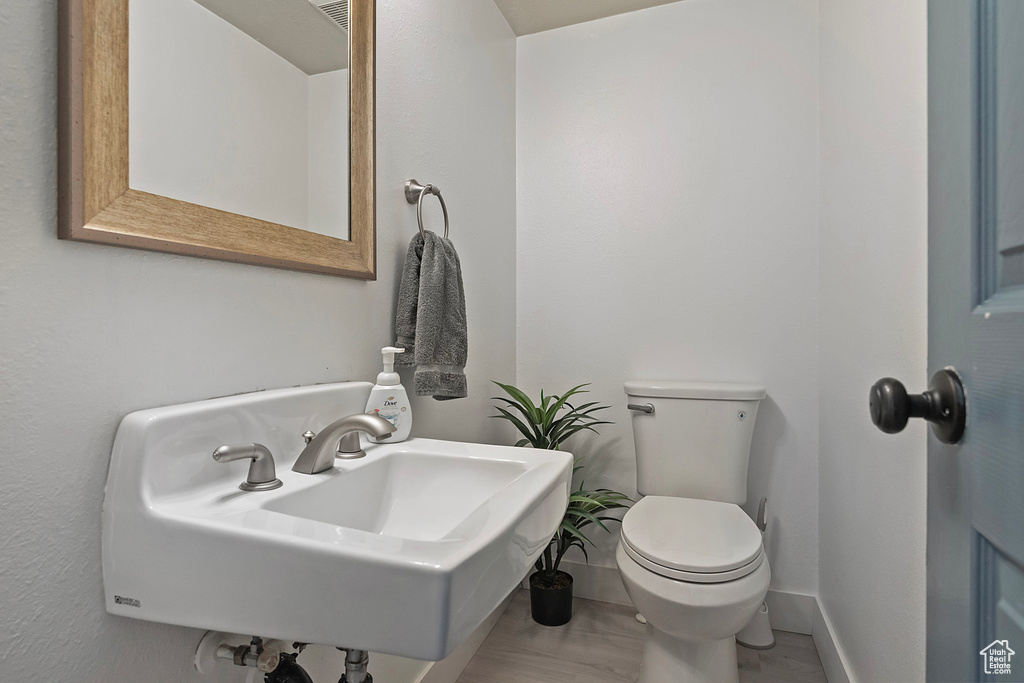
(696, 443)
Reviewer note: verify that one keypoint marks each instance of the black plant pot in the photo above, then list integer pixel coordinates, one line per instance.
(551, 602)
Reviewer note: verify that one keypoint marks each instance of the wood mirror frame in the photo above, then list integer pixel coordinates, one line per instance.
(97, 204)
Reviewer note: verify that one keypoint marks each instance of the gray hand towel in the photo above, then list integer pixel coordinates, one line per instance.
(431, 318)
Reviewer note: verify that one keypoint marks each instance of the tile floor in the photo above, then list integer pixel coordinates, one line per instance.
(603, 644)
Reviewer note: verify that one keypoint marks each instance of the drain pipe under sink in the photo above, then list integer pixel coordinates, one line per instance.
(356, 662)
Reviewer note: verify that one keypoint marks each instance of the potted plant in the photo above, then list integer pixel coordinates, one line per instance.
(547, 424)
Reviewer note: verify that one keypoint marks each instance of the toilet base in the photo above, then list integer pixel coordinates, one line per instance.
(673, 660)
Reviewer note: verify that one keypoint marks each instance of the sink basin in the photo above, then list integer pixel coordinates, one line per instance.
(413, 494)
(405, 551)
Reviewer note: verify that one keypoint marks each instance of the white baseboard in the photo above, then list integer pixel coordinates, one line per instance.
(829, 650)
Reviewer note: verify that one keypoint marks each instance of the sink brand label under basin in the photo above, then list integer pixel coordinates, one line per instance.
(131, 602)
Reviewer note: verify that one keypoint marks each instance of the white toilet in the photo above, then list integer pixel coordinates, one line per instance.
(690, 558)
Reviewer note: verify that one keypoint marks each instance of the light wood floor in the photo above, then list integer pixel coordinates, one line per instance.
(603, 644)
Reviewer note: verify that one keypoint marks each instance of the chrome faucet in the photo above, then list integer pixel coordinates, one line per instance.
(340, 439)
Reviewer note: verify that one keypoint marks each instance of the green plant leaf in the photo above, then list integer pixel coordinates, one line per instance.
(571, 528)
(577, 498)
(587, 517)
(536, 433)
(583, 549)
(610, 519)
(518, 395)
(547, 424)
(567, 426)
(544, 400)
(516, 421)
(580, 427)
(562, 399)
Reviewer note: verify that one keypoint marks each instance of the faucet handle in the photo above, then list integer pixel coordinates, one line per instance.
(262, 475)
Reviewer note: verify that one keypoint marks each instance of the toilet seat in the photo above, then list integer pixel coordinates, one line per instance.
(689, 539)
(692, 577)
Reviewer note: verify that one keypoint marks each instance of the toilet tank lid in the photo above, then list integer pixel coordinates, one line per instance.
(722, 391)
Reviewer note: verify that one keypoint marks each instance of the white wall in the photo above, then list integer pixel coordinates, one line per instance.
(216, 118)
(89, 333)
(873, 324)
(668, 229)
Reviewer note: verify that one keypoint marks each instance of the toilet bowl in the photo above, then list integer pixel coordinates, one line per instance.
(696, 570)
(690, 558)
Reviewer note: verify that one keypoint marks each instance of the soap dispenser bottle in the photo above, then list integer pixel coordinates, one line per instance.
(389, 399)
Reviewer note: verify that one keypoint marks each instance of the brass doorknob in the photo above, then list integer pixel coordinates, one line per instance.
(944, 405)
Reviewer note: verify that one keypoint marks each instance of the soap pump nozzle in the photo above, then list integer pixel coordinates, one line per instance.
(389, 377)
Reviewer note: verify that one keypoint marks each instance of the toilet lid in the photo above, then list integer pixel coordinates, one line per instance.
(691, 535)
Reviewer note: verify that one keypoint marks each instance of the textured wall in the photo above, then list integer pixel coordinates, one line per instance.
(874, 230)
(668, 229)
(89, 333)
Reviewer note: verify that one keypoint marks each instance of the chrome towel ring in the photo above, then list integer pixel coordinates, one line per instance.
(414, 193)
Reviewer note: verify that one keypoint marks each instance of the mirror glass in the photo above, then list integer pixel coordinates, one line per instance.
(243, 106)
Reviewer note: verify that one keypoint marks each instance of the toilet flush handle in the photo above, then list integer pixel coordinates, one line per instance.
(645, 408)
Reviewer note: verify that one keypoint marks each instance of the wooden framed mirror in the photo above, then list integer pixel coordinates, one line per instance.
(101, 194)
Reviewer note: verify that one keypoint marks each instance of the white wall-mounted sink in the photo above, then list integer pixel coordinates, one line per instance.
(405, 551)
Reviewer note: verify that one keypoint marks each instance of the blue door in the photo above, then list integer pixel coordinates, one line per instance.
(976, 324)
